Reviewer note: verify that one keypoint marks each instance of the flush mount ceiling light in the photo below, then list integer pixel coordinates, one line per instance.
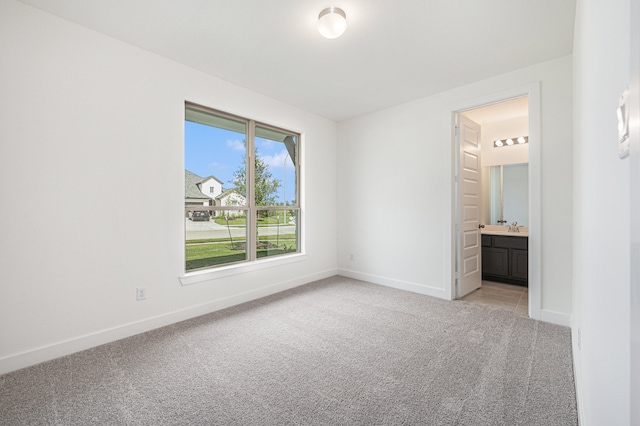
(332, 22)
(511, 141)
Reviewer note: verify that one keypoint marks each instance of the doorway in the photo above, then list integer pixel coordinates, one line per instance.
(504, 197)
(532, 95)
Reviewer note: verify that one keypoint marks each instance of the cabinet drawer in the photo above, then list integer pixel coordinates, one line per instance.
(486, 241)
(521, 243)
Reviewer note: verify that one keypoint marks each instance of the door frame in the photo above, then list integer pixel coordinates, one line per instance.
(532, 91)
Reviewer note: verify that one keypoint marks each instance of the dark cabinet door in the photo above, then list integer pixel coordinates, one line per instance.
(505, 259)
(519, 264)
(495, 261)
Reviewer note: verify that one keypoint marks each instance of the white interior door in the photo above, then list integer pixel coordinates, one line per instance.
(469, 271)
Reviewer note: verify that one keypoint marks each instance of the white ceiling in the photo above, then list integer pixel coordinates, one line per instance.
(506, 110)
(391, 53)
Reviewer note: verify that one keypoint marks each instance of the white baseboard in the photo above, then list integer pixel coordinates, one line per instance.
(555, 317)
(45, 353)
(545, 314)
(399, 284)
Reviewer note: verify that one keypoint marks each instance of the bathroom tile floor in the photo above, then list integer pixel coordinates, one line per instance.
(511, 297)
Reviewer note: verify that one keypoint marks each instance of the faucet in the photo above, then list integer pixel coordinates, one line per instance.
(514, 227)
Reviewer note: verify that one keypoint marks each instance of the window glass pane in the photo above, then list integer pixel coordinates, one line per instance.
(230, 218)
(214, 237)
(277, 232)
(275, 168)
(215, 175)
(214, 159)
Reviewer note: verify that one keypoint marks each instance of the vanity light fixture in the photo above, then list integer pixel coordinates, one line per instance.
(332, 22)
(510, 141)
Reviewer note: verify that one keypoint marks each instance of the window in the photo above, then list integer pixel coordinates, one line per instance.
(257, 214)
(211, 189)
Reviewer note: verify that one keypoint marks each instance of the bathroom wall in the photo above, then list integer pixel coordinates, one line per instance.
(503, 129)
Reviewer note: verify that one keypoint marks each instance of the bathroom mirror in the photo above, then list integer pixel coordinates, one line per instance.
(507, 194)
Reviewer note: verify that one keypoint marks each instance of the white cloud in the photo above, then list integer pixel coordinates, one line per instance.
(216, 165)
(265, 143)
(278, 160)
(235, 145)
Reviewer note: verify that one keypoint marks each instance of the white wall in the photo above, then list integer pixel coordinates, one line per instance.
(601, 218)
(634, 102)
(409, 146)
(82, 111)
(205, 188)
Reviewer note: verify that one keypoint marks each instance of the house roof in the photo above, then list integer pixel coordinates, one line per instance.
(210, 177)
(191, 186)
(227, 192)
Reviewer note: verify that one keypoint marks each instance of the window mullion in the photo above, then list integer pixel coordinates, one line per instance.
(252, 219)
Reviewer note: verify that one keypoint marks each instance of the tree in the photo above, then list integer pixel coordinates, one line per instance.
(266, 186)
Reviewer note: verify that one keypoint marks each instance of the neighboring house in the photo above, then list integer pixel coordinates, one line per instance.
(208, 191)
(193, 196)
(231, 197)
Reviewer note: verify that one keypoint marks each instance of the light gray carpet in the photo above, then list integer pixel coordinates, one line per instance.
(334, 352)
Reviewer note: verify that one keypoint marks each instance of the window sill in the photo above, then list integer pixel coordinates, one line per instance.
(225, 271)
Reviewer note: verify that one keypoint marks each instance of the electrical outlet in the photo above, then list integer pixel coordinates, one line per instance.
(141, 293)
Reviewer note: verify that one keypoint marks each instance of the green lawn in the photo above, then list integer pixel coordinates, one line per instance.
(202, 255)
(210, 254)
(233, 221)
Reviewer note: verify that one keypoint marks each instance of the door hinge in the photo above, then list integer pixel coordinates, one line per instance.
(457, 130)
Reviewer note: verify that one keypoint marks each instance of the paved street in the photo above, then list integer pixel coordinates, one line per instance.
(210, 229)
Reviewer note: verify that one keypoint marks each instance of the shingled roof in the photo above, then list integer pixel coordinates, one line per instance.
(191, 188)
(226, 192)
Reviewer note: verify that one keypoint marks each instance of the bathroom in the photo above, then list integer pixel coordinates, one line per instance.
(504, 216)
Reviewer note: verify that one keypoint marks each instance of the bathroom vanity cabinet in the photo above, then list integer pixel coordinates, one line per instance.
(505, 259)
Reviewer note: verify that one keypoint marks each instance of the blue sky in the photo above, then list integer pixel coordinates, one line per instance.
(213, 151)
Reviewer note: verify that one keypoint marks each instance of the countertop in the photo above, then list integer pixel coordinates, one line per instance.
(504, 231)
